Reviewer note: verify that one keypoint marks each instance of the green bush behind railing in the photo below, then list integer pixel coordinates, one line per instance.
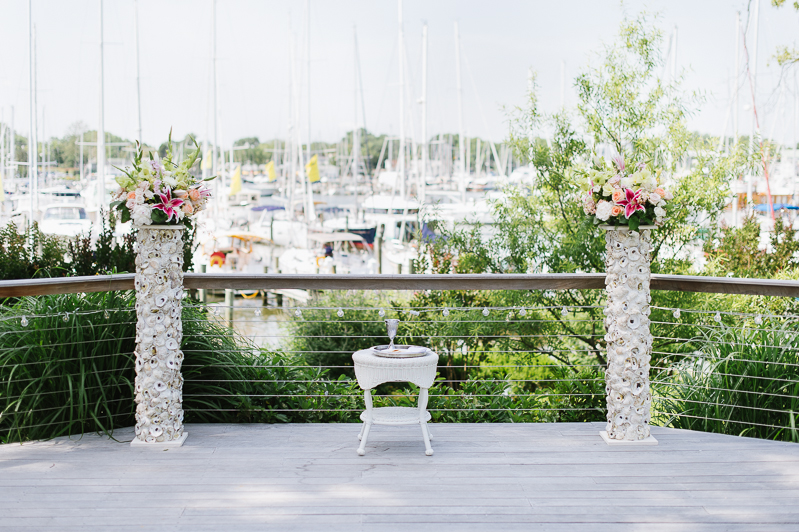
(69, 370)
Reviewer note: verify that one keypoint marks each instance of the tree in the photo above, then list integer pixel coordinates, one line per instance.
(623, 109)
(786, 56)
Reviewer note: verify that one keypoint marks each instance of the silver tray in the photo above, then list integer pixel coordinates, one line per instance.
(400, 351)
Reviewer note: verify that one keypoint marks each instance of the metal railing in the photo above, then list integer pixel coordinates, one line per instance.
(67, 360)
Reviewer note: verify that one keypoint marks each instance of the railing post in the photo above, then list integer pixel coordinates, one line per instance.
(202, 293)
(629, 340)
(159, 332)
(379, 248)
(229, 299)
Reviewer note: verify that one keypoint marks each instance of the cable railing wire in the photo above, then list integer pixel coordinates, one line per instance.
(565, 334)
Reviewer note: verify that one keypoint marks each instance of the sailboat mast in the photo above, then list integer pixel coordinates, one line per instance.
(461, 143)
(425, 146)
(101, 132)
(35, 159)
(291, 143)
(401, 154)
(737, 75)
(356, 134)
(215, 147)
(138, 84)
(749, 184)
(31, 149)
(3, 143)
(308, 57)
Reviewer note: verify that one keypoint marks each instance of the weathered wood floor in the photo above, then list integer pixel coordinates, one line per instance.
(559, 477)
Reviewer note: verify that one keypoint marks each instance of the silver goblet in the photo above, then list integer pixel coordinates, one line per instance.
(392, 326)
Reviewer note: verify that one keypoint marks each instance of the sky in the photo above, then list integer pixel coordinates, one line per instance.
(500, 40)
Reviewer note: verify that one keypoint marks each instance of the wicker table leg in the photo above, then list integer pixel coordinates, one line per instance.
(423, 421)
(367, 397)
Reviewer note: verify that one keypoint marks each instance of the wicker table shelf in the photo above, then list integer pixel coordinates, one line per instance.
(372, 370)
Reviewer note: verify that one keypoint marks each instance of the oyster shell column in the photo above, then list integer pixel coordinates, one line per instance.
(159, 331)
(629, 341)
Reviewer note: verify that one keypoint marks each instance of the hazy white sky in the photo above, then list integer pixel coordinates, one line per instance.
(500, 39)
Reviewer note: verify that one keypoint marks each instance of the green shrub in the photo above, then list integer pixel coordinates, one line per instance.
(743, 382)
(579, 395)
(71, 368)
(325, 339)
(30, 254)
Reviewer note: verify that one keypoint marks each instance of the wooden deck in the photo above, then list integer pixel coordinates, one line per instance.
(559, 477)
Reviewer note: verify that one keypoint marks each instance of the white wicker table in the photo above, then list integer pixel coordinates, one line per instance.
(372, 370)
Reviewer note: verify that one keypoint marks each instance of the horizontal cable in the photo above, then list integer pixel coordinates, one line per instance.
(729, 421)
(701, 356)
(666, 399)
(358, 395)
(65, 422)
(703, 387)
(727, 313)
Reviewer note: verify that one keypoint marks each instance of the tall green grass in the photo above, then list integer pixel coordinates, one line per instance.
(743, 382)
(70, 369)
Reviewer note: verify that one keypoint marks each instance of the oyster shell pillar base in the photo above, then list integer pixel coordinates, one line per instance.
(628, 338)
(159, 331)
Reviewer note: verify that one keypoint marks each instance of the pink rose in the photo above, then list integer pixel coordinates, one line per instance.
(618, 195)
(194, 194)
(616, 210)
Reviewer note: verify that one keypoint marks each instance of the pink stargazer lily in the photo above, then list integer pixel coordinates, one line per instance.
(168, 204)
(631, 202)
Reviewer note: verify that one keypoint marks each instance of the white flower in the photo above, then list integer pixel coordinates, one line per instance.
(660, 212)
(669, 196)
(626, 182)
(603, 210)
(649, 184)
(589, 207)
(607, 189)
(141, 215)
(654, 198)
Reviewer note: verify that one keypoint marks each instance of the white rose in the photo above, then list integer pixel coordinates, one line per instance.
(654, 198)
(660, 212)
(649, 184)
(603, 210)
(141, 215)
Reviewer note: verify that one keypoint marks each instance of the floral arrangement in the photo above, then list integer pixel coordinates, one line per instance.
(160, 191)
(618, 195)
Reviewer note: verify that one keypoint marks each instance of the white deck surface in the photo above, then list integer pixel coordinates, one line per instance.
(559, 477)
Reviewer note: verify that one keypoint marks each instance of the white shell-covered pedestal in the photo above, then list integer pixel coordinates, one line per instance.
(159, 331)
(628, 337)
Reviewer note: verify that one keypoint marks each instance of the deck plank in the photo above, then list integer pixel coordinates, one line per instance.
(301, 477)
